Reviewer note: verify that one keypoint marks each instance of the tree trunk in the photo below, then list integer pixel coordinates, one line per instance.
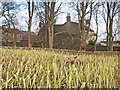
(50, 36)
(14, 40)
(8, 19)
(97, 30)
(79, 48)
(47, 22)
(30, 13)
(107, 25)
(107, 42)
(82, 26)
(51, 25)
(89, 19)
(29, 32)
(111, 37)
(14, 35)
(95, 46)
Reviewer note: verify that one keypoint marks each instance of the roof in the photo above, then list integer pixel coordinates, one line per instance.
(84, 26)
(12, 30)
(72, 27)
(34, 37)
(26, 33)
(57, 28)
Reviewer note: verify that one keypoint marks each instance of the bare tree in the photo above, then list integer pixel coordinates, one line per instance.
(117, 28)
(30, 13)
(8, 12)
(96, 12)
(111, 9)
(81, 8)
(48, 12)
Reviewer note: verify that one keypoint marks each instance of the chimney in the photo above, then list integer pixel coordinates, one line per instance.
(87, 23)
(68, 17)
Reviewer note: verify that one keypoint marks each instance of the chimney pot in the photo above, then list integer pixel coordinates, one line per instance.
(68, 17)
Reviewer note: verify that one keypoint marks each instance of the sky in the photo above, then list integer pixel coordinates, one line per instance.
(66, 8)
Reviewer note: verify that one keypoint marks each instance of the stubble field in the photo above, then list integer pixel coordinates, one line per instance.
(22, 68)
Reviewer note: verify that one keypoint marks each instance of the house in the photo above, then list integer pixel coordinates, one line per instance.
(115, 43)
(66, 36)
(21, 36)
(8, 34)
(34, 37)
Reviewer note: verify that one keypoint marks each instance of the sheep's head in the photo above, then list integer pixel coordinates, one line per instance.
(70, 60)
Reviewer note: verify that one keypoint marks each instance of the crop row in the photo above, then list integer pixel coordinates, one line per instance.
(40, 68)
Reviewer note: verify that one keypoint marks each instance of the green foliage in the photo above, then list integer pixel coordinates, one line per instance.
(40, 68)
(36, 44)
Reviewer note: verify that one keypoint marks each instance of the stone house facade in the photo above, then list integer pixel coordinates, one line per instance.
(66, 36)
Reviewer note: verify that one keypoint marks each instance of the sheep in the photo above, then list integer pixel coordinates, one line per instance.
(71, 61)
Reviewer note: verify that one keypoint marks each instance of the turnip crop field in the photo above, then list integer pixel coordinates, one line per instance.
(22, 68)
